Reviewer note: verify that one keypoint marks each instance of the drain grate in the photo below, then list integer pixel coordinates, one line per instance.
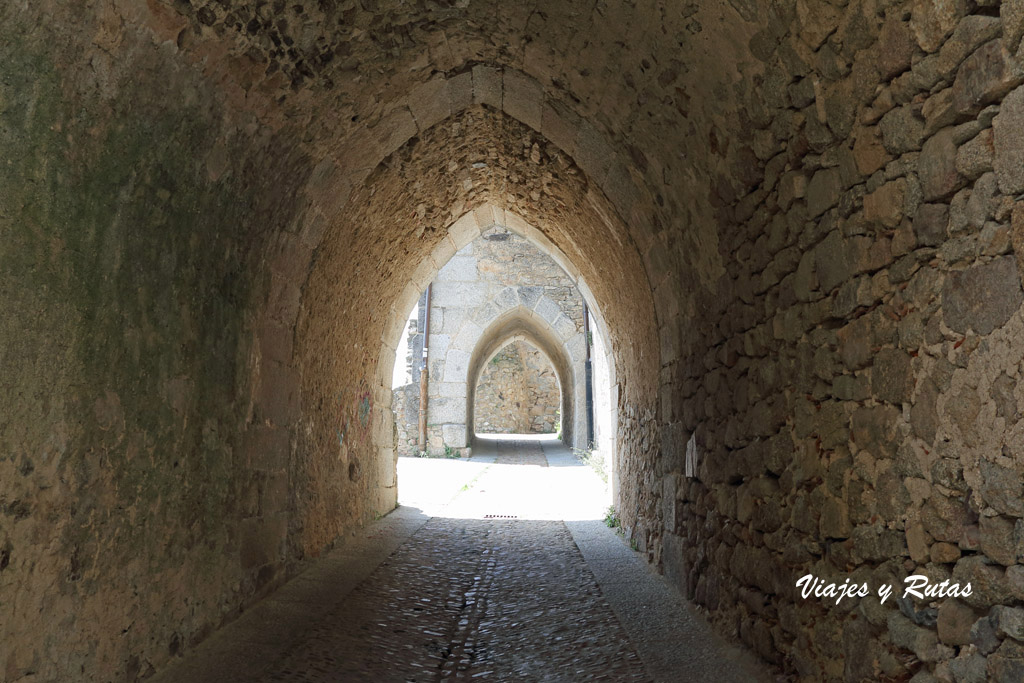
(501, 517)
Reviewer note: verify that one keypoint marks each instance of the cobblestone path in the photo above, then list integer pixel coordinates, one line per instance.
(473, 599)
(497, 568)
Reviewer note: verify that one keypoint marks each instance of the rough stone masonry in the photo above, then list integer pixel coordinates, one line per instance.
(800, 223)
(517, 393)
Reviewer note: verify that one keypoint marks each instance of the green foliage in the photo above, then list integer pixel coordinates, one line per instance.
(611, 518)
(593, 458)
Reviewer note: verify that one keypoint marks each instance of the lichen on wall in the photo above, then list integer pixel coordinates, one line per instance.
(126, 353)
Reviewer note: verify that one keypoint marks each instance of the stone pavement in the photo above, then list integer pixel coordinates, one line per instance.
(476, 577)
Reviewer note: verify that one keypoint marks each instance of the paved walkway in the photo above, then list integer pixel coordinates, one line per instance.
(498, 568)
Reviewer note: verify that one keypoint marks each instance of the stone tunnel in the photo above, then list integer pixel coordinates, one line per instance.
(798, 222)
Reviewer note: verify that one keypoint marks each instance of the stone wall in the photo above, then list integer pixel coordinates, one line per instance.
(137, 512)
(213, 216)
(406, 404)
(853, 381)
(517, 393)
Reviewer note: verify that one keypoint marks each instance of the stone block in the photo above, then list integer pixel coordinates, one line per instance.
(457, 295)
(529, 296)
(276, 342)
(674, 560)
(454, 435)
(467, 337)
(983, 297)
(792, 186)
(930, 224)
(1009, 143)
(817, 21)
(592, 151)
(430, 103)
(945, 553)
(278, 397)
(1002, 488)
(266, 448)
(904, 633)
(619, 186)
(439, 344)
(444, 250)
(869, 153)
(988, 582)
(936, 167)
(896, 46)
(506, 299)
(1006, 665)
(1012, 14)
(939, 111)
(976, 156)
(981, 204)
(394, 130)
(448, 320)
(459, 269)
(487, 216)
(460, 91)
(823, 191)
(902, 130)
(456, 365)
(285, 299)
(917, 541)
(955, 622)
(548, 310)
(932, 21)
(1008, 621)
(261, 541)
(873, 429)
(441, 411)
(985, 77)
(559, 124)
(837, 259)
(835, 519)
(1015, 581)
(487, 86)
(450, 389)
(885, 205)
(523, 98)
(969, 668)
(983, 636)
(576, 348)
(274, 493)
(892, 377)
(463, 231)
(565, 327)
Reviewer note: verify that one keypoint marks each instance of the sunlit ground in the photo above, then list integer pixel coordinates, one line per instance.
(479, 487)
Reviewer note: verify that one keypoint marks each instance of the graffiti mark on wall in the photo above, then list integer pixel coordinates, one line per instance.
(355, 410)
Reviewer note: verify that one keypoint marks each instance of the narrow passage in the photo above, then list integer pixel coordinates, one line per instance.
(488, 583)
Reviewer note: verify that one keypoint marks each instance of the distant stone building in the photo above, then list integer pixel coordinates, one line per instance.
(498, 299)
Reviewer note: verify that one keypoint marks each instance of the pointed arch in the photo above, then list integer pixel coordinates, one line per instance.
(531, 325)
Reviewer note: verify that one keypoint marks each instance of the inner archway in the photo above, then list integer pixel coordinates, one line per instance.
(517, 393)
(520, 324)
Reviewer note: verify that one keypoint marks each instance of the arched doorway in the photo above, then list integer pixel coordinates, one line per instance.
(517, 393)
